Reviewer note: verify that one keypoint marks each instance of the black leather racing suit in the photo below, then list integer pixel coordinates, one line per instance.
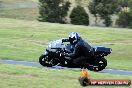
(82, 51)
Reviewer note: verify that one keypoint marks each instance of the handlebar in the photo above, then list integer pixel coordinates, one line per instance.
(65, 40)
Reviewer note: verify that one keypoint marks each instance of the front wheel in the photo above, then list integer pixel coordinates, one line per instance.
(44, 60)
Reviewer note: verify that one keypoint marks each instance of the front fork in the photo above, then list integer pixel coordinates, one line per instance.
(45, 53)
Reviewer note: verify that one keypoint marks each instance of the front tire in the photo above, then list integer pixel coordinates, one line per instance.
(44, 60)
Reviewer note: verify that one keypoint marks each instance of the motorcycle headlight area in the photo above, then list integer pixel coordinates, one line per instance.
(50, 45)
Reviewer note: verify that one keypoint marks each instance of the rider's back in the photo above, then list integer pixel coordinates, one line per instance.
(83, 48)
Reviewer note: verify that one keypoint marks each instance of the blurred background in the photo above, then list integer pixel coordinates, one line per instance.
(113, 13)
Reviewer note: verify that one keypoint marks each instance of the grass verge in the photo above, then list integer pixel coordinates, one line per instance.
(12, 76)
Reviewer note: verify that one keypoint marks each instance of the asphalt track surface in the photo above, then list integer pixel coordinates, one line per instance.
(36, 64)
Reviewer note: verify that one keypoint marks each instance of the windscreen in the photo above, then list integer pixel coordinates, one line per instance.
(56, 44)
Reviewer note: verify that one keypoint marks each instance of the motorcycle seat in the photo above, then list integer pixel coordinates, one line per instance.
(100, 49)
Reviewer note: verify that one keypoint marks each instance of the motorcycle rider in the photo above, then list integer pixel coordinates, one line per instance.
(82, 50)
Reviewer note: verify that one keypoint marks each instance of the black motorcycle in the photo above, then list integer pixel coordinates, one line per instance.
(55, 55)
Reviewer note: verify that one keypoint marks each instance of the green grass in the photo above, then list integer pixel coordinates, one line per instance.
(14, 1)
(25, 13)
(26, 40)
(19, 13)
(12, 76)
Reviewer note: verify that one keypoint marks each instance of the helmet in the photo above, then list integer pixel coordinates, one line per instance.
(73, 37)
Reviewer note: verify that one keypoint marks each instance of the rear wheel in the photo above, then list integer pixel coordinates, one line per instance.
(44, 60)
(99, 64)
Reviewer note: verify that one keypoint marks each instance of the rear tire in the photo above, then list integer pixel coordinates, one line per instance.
(99, 64)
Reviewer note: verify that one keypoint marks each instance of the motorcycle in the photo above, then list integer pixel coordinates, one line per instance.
(55, 55)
